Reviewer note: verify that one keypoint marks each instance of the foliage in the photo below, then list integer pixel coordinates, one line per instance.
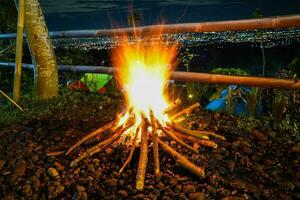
(67, 101)
(8, 19)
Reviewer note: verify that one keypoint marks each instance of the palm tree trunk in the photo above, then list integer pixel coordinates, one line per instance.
(41, 49)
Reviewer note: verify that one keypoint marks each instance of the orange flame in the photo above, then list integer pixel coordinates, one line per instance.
(142, 71)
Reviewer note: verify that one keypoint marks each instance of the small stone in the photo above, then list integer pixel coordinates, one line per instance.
(35, 158)
(2, 162)
(217, 116)
(121, 182)
(59, 189)
(80, 194)
(218, 157)
(52, 172)
(58, 166)
(189, 189)
(182, 197)
(111, 182)
(20, 169)
(295, 149)
(259, 135)
(80, 188)
(196, 145)
(27, 190)
(160, 185)
(178, 188)
(83, 180)
(35, 183)
(196, 196)
(123, 193)
(231, 165)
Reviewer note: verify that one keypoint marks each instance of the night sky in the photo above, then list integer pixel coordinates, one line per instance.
(91, 14)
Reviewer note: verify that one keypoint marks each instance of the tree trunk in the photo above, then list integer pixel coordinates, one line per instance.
(43, 57)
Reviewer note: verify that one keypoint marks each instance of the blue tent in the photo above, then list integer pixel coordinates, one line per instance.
(240, 106)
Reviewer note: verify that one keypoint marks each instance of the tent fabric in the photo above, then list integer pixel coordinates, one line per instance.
(94, 82)
(240, 106)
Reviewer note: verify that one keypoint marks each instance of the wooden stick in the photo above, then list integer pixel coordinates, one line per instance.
(12, 101)
(55, 153)
(207, 143)
(133, 145)
(176, 139)
(140, 176)
(90, 135)
(19, 51)
(185, 163)
(203, 142)
(185, 111)
(95, 149)
(197, 134)
(173, 105)
(155, 147)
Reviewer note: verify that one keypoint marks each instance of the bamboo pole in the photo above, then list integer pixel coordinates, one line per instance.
(236, 80)
(274, 22)
(19, 51)
(252, 81)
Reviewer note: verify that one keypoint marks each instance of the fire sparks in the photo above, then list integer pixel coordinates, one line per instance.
(142, 72)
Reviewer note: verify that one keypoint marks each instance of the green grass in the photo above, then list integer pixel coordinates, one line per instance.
(66, 101)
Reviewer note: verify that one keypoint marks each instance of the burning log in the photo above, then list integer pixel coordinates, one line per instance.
(140, 177)
(173, 106)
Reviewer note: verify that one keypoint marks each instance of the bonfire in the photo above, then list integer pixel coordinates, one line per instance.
(142, 70)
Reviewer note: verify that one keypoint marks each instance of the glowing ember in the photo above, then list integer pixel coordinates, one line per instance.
(142, 72)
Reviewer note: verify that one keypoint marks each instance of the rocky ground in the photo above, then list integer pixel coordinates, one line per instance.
(255, 164)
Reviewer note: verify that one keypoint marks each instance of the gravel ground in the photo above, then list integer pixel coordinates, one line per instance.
(248, 165)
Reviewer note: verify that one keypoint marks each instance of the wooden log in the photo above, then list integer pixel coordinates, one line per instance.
(90, 135)
(97, 148)
(188, 132)
(207, 143)
(141, 172)
(173, 105)
(185, 111)
(176, 139)
(185, 163)
(133, 145)
(155, 146)
(195, 133)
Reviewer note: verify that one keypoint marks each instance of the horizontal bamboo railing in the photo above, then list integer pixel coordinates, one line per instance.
(189, 77)
(216, 26)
